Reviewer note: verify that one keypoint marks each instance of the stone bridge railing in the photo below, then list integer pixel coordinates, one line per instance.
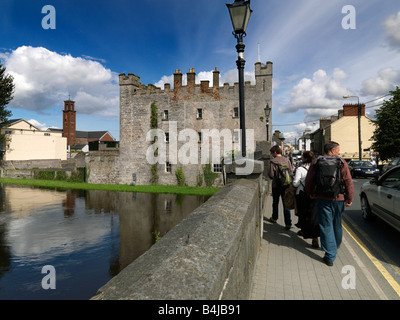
(210, 255)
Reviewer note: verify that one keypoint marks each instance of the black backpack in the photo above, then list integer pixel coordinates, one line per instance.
(328, 178)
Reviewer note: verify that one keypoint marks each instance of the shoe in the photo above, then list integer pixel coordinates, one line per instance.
(272, 220)
(288, 227)
(327, 262)
(315, 243)
(300, 232)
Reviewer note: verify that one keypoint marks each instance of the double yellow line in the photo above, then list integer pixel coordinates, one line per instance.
(393, 283)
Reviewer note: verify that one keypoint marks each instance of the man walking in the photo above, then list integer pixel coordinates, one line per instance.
(281, 173)
(329, 181)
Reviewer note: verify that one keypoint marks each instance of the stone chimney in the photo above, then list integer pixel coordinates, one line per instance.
(215, 78)
(191, 76)
(177, 82)
(204, 86)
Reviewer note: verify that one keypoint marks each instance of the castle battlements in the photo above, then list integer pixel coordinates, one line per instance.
(130, 79)
(180, 91)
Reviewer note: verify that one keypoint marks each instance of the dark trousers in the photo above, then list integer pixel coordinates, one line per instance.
(276, 194)
(308, 216)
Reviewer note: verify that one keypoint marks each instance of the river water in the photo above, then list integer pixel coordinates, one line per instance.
(86, 237)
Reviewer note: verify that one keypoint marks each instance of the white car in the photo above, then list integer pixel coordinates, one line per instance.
(381, 197)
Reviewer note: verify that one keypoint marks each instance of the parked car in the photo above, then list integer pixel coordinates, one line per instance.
(363, 169)
(391, 164)
(381, 197)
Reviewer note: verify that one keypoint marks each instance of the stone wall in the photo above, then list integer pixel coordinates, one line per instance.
(210, 255)
(26, 168)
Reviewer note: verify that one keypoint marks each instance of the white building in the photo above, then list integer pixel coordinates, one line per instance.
(27, 142)
(305, 141)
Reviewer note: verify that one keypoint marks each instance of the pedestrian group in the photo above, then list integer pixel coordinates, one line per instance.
(323, 189)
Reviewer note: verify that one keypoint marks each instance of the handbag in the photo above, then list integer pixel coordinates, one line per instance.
(290, 197)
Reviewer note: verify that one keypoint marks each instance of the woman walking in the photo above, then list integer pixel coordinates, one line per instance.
(306, 207)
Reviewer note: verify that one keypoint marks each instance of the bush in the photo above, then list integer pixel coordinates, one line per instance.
(209, 175)
(154, 175)
(44, 175)
(78, 175)
(180, 176)
(199, 180)
(61, 175)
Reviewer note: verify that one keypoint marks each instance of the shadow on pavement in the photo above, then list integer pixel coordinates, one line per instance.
(278, 235)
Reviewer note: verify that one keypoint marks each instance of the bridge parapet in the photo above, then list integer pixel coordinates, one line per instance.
(210, 255)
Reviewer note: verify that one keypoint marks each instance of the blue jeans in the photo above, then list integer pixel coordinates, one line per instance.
(330, 223)
(276, 194)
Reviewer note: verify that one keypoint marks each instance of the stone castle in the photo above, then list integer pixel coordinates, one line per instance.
(194, 106)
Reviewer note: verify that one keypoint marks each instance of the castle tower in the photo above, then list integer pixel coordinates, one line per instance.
(263, 75)
(69, 122)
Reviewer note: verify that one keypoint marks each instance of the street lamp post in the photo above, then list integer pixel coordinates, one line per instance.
(267, 111)
(240, 12)
(359, 124)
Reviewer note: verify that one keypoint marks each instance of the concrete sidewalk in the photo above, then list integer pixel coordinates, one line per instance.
(289, 268)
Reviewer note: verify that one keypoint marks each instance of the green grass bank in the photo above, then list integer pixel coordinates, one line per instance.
(112, 187)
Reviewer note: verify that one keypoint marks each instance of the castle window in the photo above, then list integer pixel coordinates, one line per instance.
(217, 167)
(167, 137)
(235, 112)
(199, 113)
(47, 134)
(165, 115)
(167, 167)
(200, 137)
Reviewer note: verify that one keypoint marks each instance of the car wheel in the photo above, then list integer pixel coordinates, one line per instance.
(366, 209)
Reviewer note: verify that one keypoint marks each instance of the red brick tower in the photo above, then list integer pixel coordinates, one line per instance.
(69, 122)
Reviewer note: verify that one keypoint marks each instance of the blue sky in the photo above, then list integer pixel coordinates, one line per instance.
(316, 61)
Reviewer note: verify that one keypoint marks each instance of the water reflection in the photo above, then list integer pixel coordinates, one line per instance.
(88, 236)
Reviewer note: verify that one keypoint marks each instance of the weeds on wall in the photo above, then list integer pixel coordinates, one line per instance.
(209, 175)
(180, 176)
(77, 175)
(154, 175)
(154, 125)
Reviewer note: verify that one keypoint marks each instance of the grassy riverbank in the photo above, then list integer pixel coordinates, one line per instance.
(112, 187)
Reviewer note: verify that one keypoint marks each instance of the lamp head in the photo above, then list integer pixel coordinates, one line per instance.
(239, 12)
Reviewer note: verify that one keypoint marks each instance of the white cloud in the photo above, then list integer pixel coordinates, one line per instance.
(392, 28)
(44, 79)
(385, 82)
(320, 96)
(37, 124)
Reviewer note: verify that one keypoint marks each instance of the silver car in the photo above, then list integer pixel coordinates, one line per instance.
(381, 197)
(395, 162)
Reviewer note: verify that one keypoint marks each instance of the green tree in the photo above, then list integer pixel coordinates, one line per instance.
(6, 95)
(387, 128)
